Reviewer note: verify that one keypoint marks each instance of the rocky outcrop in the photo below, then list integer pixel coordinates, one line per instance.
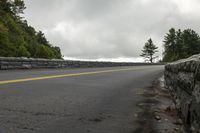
(182, 78)
(28, 63)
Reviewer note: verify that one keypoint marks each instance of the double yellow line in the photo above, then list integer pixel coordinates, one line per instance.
(62, 75)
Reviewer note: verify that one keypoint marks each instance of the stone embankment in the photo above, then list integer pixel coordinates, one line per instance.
(182, 78)
(28, 63)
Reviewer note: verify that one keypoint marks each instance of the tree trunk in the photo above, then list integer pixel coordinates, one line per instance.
(151, 59)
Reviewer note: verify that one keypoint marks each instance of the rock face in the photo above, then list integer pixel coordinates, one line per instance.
(25, 63)
(182, 78)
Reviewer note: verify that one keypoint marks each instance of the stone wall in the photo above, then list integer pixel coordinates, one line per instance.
(182, 78)
(28, 63)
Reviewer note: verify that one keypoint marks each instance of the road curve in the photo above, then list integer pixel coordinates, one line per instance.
(90, 100)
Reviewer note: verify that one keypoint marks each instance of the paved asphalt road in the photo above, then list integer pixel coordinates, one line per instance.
(90, 100)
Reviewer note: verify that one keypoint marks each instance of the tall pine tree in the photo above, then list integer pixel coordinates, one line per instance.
(180, 44)
(149, 50)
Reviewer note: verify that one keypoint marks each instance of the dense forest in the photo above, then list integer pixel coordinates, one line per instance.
(17, 38)
(180, 44)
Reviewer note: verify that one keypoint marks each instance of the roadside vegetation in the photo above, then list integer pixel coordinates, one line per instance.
(178, 44)
(18, 39)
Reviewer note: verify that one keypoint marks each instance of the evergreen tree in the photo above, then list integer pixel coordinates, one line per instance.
(190, 40)
(149, 50)
(170, 45)
(180, 44)
(180, 52)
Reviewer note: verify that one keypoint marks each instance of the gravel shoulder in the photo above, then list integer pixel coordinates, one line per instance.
(157, 111)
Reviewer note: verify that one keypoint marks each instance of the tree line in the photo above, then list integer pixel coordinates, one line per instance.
(177, 44)
(18, 39)
(180, 44)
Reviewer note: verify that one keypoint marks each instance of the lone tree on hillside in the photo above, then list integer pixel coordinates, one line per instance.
(149, 50)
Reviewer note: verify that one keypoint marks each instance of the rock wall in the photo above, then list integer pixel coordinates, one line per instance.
(182, 78)
(28, 63)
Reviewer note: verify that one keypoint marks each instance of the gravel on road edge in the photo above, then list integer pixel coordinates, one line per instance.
(157, 111)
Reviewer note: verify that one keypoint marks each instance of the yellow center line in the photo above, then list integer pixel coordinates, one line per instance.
(60, 76)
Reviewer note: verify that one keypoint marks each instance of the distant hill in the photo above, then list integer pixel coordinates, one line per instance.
(18, 39)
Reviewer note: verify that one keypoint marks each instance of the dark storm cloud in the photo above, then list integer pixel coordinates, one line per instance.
(109, 28)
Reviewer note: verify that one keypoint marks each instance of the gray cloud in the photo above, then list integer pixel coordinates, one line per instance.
(109, 28)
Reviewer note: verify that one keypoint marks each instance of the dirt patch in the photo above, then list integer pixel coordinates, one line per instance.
(157, 111)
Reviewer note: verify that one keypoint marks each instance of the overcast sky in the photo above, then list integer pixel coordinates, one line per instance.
(92, 29)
